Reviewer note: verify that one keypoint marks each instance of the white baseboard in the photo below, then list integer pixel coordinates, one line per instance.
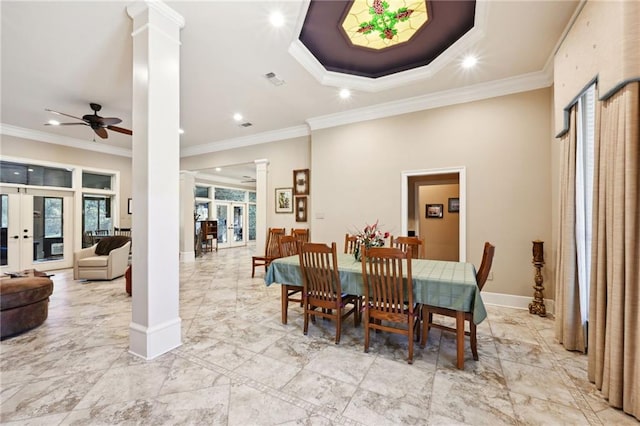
(187, 256)
(512, 301)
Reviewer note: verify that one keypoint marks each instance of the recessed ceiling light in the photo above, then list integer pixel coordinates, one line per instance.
(276, 19)
(469, 62)
(237, 116)
(345, 93)
(29, 170)
(181, 131)
(54, 122)
(218, 169)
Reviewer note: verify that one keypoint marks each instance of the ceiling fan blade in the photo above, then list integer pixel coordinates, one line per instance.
(62, 113)
(108, 121)
(101, 131)
(66, 124)
(120, 130)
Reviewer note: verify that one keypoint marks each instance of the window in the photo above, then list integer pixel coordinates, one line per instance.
(96, 213)
(33, 175)
(202, 192)
(584, 193)
(52, 217)
(96, 181)
(228, 194)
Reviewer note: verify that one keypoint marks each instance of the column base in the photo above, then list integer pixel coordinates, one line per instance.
(151, 342)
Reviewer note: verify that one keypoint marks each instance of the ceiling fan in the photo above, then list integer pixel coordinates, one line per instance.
(97, 123)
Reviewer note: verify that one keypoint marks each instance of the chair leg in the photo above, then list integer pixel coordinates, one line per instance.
(253, 269)
(460, 339)
(410, 336)
(306, 320)
(285, 303)
(473, 339)
(338, 324)
(366, 331)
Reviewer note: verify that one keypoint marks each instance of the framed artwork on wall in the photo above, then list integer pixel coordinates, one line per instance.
(284, 200)
(434, 211)
(454, 205)
(129, 206)
(301, 182)
(301, 209)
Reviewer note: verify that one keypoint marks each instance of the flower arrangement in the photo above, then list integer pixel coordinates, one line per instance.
(370, 236)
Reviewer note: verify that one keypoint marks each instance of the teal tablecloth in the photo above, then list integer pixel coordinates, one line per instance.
(438, 283)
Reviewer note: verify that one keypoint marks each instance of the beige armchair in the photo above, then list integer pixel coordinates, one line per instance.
(103, 261)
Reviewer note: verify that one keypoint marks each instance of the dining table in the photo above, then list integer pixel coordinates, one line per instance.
(445, 284)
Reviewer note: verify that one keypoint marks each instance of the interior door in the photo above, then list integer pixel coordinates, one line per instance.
(38, 225)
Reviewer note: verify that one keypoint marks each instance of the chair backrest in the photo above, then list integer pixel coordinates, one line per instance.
(122, 231)
(319, 267)
(385, 287)
(485, 266)
(301, 234)
(272, 248)
(350, 243)
(288, 245)
(101, 232)
(414, 244)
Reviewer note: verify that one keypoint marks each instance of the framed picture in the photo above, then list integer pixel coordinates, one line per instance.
(284, 200)
(454, 205)
(301, 209)
(301, 182)
(434, 211)
(129, 206)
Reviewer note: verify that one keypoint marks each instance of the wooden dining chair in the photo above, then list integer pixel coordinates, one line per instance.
(461, 317)
(350, 242)
(415, 244)
(289, 246)
(272, 250)
(388, 293)
(301, 234)
(322, 291)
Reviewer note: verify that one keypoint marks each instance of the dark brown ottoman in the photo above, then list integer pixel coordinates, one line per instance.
(24, 302)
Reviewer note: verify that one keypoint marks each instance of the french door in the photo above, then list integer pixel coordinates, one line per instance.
(231, 224)
(37, 229)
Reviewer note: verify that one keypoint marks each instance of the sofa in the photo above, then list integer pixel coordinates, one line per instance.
(24, 302)
(106, 260)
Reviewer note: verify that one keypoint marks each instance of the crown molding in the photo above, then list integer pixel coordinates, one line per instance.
(265, 137)
(36, 135)
(134, 9)
(492, 89)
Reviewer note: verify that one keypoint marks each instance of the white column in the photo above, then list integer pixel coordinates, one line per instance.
(187, 225)
(261, 204)
(155, 322)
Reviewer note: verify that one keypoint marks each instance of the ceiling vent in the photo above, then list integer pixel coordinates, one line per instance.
(246, 124)
(273, 79)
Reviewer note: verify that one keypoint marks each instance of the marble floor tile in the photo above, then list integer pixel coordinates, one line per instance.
(239, 365)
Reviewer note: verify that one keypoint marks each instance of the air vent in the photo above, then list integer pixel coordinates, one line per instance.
(273, 79)
(246, 124)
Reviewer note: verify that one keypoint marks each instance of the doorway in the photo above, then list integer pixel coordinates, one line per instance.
(444, 232)
(36, 229)
(231, 224)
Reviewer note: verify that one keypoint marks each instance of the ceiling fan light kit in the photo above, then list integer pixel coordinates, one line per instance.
(97, 123)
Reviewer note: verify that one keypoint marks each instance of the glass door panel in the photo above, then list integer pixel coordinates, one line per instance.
(238, 225)
(222, 214)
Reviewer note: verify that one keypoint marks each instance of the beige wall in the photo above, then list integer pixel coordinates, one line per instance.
(441, 235)
(284, 157)
(41, 151)
(504, 144)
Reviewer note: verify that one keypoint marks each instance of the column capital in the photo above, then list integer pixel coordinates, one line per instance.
(136, 8)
